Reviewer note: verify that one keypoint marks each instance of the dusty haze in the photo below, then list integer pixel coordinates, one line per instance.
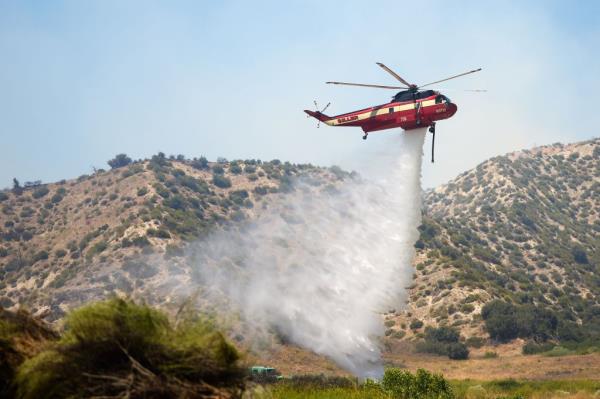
(321, 268)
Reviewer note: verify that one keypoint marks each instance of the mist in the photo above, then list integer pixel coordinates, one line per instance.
(321, 268)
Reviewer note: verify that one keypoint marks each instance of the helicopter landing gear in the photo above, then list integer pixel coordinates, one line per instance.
(432, 131)
(365, 136)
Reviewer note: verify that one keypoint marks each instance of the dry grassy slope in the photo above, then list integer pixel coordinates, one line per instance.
(524, 227)
(65, 243)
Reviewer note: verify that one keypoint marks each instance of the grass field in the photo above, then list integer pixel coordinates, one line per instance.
(463, 389)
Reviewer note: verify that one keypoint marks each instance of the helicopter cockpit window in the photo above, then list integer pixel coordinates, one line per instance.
(439, 99)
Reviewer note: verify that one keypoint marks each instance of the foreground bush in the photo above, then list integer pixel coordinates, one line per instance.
(396, 384)
(401, 384)
(21, 336)
(117, 348)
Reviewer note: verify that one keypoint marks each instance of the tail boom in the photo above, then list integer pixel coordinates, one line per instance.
(319, 116)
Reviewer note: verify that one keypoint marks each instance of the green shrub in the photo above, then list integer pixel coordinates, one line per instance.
(416, 324)
(558, 351)
(119, 161)
(500, 320)
(3, 196)
(221, 181)
(235, 168)
(579, 255)
(200, 163)
(60, 253)
(218, 170)
(238, 196)
(261, 190)
(401, 384)
(458, 351)
(490, 355)
(467, 308)
(40, 192)
(96, 249)
(56, 198)
(175, 202)
(532, 347)
(21, 336)
(142, 191)
(475, 342)
(117, 348)
(41, 255)
(443, 341)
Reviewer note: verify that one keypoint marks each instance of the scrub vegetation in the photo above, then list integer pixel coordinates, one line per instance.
(117, 348)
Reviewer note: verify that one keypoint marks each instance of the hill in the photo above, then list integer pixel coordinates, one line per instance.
(64, 244)
(523, 228)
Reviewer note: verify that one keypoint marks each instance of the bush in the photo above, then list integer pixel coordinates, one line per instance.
(402, 384)
(56, 198)
(505, 321)
(443, 341)
(532, 347)
(467, 308)
(119, 161)
(60, 253)
(235, 168)
(218, 170)
(117, 348)
(40, 192)
(500, 320)
(221, 181)
(475, 342)
(200, 163)
(41, 255)
(142, 191)
(21, 336)
(458, 351)
(442, 334)
(416, 324)
(3, 196)
(579, 255)
(238, 196)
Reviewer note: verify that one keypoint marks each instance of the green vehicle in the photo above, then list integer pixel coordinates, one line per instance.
(265, 374)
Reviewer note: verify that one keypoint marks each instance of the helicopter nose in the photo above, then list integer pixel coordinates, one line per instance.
(452, 108)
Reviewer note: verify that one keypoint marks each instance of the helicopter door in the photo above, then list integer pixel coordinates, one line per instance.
(418, 112)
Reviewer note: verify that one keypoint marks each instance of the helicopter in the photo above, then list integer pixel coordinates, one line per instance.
(411, 108)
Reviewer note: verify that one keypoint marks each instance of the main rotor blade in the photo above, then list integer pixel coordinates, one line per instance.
(467, 90)
(364, 85)
(394, 74)
(451, 77)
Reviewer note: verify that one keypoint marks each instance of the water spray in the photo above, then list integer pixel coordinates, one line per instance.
(322, 268)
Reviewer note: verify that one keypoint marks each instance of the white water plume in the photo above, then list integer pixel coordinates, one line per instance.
(321, 269)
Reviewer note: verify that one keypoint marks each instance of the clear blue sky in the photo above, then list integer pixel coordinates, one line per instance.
(83, 80)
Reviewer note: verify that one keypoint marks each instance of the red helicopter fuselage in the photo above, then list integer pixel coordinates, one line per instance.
(421, 111)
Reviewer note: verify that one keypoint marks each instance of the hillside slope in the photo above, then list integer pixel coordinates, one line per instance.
(524, 227)
(66, 243)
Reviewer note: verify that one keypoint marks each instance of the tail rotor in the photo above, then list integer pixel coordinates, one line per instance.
(320, 112)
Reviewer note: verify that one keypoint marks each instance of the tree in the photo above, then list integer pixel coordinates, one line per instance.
(458, 351)
(17, 189)
(500, 320)
(579, 255)
(119, 161)
(200, 163)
